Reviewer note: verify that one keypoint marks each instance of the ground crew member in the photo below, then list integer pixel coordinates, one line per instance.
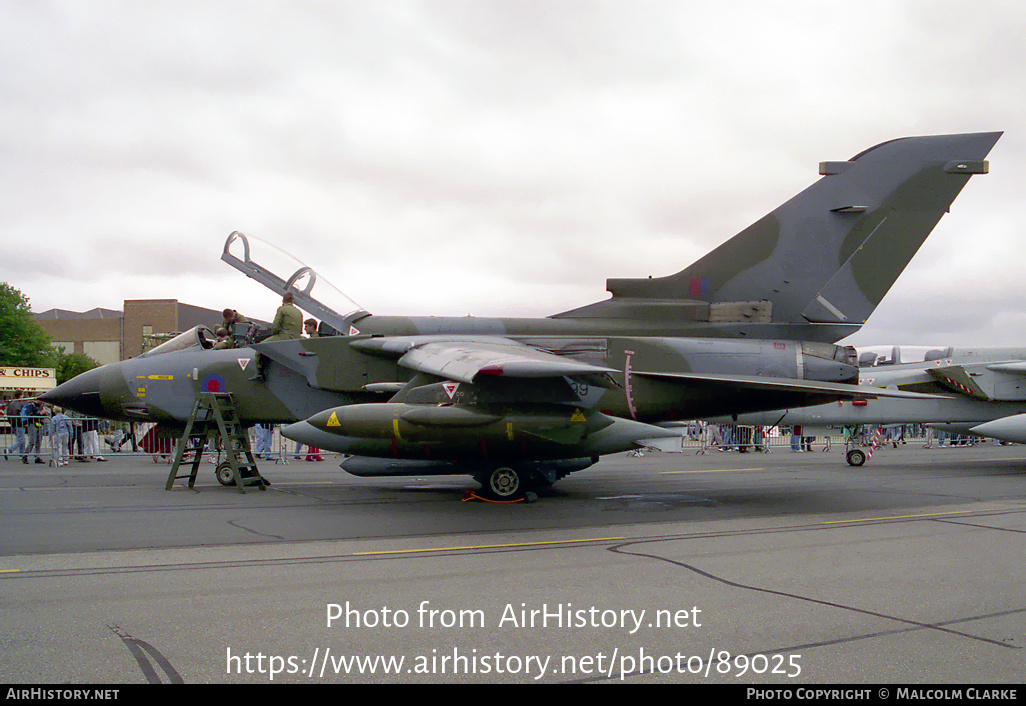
(287, 325)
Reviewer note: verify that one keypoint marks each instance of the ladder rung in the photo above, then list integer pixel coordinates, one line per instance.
(215, 413)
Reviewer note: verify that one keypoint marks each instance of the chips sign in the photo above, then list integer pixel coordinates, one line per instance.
(35, 379)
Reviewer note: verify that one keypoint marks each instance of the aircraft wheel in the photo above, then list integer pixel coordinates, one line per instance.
(856, 457)
(504, 483)
(224, 473)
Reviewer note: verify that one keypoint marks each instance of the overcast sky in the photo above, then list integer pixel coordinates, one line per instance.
(488, 158)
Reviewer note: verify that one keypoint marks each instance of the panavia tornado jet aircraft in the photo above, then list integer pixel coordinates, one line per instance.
(510, 401)
(979, 391)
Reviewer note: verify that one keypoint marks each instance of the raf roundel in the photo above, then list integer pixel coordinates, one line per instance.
(214, 383)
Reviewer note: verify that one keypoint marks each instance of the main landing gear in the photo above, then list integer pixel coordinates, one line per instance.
(509, 484)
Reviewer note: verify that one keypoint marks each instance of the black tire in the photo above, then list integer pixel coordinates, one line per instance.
(224, 473)
(505, 483)
(856, 457)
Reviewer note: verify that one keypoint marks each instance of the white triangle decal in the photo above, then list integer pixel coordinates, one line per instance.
(450, 388)
(353, 331)
(243, 362)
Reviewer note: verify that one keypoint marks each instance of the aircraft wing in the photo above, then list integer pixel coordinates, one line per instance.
(787, 385)
(959, 379)
(997, 380)
(347, 364)
(469, 359)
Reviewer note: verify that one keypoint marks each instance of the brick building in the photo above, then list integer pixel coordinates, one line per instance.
(108, 335)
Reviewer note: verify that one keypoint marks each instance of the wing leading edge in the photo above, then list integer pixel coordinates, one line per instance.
(472, 359)
(787, 385)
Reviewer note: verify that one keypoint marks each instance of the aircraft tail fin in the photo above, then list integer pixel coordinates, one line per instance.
(818, 265)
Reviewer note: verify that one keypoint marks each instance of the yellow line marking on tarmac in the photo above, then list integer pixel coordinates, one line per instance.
(901, 517)
(10, 571)
(489, 546)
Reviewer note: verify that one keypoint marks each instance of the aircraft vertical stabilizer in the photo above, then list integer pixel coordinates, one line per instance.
(823, 259)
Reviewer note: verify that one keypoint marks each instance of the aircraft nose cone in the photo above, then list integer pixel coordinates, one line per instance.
(81, 393)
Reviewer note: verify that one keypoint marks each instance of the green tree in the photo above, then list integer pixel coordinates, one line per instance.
(69, 365)
(22, 341)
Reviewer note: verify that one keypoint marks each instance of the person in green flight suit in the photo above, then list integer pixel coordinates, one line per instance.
(223, 339)
(287, 325)
(310, 327)
(230, 318)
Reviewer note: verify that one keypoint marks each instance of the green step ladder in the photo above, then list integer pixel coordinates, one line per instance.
(214, 414)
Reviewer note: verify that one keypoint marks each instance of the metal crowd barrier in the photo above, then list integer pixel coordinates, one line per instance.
(145, 439)
(93, 439)
(701, 437)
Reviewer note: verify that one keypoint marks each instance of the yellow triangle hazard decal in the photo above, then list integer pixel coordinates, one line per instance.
(577, 416)
(333, 421)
